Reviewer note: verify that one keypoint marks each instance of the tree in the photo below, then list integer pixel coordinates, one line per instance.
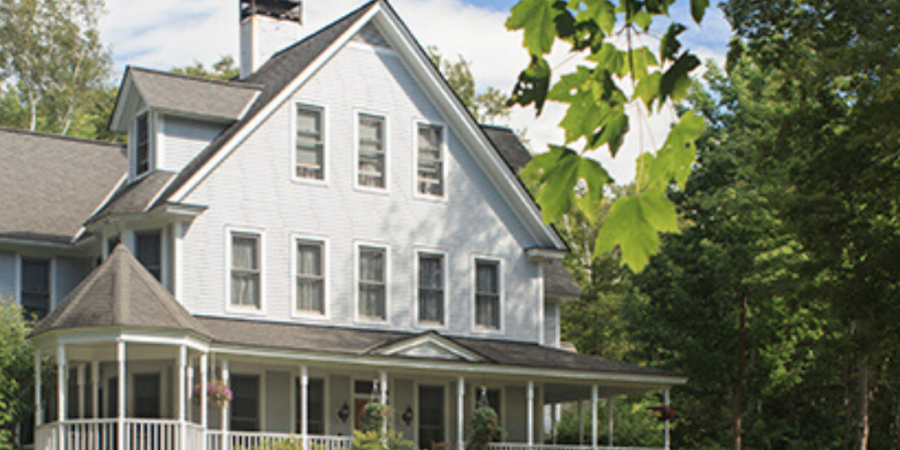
(16, 371)
(596, 112)
(52, 60)
(837, 61)
(486, 107)
(224, 70)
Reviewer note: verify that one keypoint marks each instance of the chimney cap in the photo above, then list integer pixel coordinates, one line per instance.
(279, 9)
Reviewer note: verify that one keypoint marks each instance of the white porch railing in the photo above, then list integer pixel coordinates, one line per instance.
(103, 434)
(523, 446)
(252, 440)
(46, 437)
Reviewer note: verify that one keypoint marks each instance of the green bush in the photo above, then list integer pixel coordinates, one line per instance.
(294, 443)
(16, 371)
(374, 417)
(485, 428)
(379, 440)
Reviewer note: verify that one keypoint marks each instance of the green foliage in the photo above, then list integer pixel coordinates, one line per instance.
(634, 424)
(375, 416)
(293, 443)
(16, 370)
(596, 112)
(223, 70)
(484, 428)
(485, 107)
(378, 440)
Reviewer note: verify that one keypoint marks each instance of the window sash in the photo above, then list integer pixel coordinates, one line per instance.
(142, 145)
(310, 144)
(149, 252)
(372, 282)
(371, 153)
(431, 288)
(245, 273)
(430, 160)
(487, 294)
(35, 287)
(310, 277)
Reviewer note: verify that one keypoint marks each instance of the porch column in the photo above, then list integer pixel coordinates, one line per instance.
(594, 401)
(182, 396)
(666, 402)
(95, 389)
(204, 371)
(460, 410)
(61, 373)
(383, 387)
(38, 410)
(580, 422)
(120, 360)
(304, 406)
(530, 398)
(190, 392)
(609, 412)
(81, 375)
(226, 378)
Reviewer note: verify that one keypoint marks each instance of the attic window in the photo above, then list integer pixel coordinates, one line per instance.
(371, 152)
(310, 145)
(141, 145)
(431, 161)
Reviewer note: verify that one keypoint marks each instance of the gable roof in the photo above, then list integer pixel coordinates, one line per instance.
(429, 345)
(509, 145)
(134, 198)
(53, 183)
(120, 292)
(288, 69)
(223, 101)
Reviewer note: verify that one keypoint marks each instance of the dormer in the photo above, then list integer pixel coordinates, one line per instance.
(170, 118)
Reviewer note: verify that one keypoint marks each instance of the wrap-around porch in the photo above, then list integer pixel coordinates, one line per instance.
(315, 399)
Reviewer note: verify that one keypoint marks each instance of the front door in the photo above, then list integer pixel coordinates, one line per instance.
(360, 408)
(431, 416)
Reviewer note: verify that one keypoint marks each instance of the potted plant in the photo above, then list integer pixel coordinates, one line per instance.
(218, 393)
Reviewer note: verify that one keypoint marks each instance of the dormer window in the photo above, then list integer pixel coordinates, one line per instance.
(141, 145)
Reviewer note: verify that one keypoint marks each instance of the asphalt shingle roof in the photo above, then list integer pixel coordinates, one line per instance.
(165, 91)
(135, 197)
(52, 184)
(120, 292)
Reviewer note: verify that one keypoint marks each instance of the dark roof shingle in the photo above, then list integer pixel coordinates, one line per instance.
(52, 184)
(135, 197)
(194, 96)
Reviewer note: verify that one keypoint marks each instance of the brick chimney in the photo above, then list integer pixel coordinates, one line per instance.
(267, 26)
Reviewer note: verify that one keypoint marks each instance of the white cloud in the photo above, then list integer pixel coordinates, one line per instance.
(166, 33)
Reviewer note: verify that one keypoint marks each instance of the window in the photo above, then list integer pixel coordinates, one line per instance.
(141, 145)
(245, 263)
(245, 402)
(310, 144)
(487, 294)
(149, 253)
(431, 288)
(36, 286)
(310, 277)
(372, 283)
(430, 161)
(316, 406)
(371, 159)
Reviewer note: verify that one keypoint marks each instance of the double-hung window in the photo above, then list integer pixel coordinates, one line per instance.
(141, 144)
(310, 277)
(371, 159)
(430, 161)
(487, 294)
(35, 289)
(245, 270)
(149, 252)
(372, 283)
(310, 162)
(431, 288)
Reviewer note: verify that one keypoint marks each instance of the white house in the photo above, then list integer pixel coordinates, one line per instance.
(331, 229)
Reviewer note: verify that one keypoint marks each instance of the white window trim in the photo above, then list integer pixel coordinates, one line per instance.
(415, 159)
(151, 144)
(417, 251)
(387, 152)
(357, 317)
(325, 141)
(230, 231)
(326, 263)
(475, 328)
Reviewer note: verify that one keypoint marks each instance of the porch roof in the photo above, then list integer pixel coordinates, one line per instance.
(361, 342)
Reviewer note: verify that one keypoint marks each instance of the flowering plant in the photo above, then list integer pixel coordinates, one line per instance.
(218, 393)
(374, 417)
(663, 413)
(485, 429)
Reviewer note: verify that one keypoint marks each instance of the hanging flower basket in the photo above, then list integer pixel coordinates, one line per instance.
(663, 413)
(218, 393)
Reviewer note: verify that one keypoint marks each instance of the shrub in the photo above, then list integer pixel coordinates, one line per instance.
(374, 417)
(294, 443)
(16, 370)
(485, 428)
(378, 440)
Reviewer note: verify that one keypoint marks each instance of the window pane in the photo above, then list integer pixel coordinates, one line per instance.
(430, 171)
(310, 282)
(431, 288)
(149, 252)
(310, 146)
(371, 168)
(142, 145)
(372, 287)
(487, 294)
(245, 277)
(36, 287)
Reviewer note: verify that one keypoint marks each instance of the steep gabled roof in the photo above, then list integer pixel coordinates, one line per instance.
(52, 184)
(120, 293)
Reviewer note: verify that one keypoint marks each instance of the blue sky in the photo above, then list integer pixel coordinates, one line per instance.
(162, 34)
